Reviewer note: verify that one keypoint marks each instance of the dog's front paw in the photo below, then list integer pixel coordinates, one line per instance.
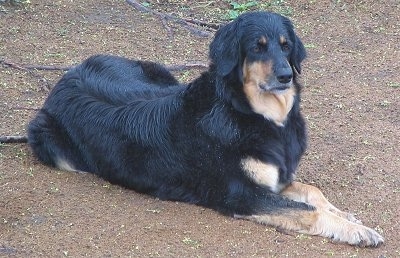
(348, 216)
(361, 236)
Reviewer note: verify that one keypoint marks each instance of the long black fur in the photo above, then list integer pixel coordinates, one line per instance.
(131, 123)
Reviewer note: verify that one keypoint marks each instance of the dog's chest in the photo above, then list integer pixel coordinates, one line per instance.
(262, 173)
(273, 162)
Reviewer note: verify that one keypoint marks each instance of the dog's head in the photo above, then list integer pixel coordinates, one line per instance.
(257, 54)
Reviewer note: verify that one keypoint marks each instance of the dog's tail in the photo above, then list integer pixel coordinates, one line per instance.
(14, 139)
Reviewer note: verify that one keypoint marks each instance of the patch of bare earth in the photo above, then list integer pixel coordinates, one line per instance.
(350, 101)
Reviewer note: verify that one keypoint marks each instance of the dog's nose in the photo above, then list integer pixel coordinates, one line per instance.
(284, 75)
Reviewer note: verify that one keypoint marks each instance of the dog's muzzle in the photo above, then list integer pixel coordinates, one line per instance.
(275, 86)
(284, 75)
(280, 82)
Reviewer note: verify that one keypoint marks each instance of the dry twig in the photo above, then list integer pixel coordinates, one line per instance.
(185, 22)
(13, 139)
(36, 67)
(28, 68)
(182, 67)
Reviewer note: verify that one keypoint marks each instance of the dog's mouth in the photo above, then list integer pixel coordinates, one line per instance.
(275, 88)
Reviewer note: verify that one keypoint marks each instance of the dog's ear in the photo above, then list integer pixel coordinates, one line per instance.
(298, 55)
(225, 48)
(299, 52)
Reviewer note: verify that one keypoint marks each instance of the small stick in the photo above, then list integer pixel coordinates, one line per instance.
(188, 66)
(13, 139)
(178, 67)
(167, 17)
(36, 67)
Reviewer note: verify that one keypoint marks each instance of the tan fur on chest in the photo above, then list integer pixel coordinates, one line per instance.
(262, 173)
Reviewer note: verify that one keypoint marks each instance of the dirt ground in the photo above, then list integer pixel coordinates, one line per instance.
(350, 101)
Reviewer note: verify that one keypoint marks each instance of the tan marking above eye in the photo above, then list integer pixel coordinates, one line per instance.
(262, 41)
(282, 40)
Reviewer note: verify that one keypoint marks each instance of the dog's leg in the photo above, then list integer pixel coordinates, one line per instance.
(332, 222)
(319, 222)
(312, 195)
(325, 220)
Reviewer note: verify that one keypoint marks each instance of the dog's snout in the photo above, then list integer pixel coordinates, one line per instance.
(284, 75)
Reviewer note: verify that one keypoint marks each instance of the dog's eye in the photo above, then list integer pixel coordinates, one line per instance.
(259, 48)
(285, 46)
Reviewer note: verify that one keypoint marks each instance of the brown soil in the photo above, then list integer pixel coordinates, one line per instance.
(350, 101)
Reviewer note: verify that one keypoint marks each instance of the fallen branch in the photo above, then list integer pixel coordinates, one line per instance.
(13, 139)
(36, 67)
(29, 69)
(188, 66)
(49, 67)
(213, 26)
(178, 67)
(187, 23)
(24, 108)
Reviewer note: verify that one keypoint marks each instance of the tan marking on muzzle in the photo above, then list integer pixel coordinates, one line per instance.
(273, 106)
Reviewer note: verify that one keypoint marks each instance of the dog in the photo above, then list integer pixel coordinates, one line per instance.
(230, 140)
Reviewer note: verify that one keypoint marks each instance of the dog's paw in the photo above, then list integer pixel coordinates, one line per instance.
(360, 236)
(348, 216)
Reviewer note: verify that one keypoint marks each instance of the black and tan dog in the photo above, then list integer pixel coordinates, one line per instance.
(230, 140)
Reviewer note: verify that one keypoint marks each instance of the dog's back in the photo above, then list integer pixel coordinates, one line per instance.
(102, 86)
(120, 80)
